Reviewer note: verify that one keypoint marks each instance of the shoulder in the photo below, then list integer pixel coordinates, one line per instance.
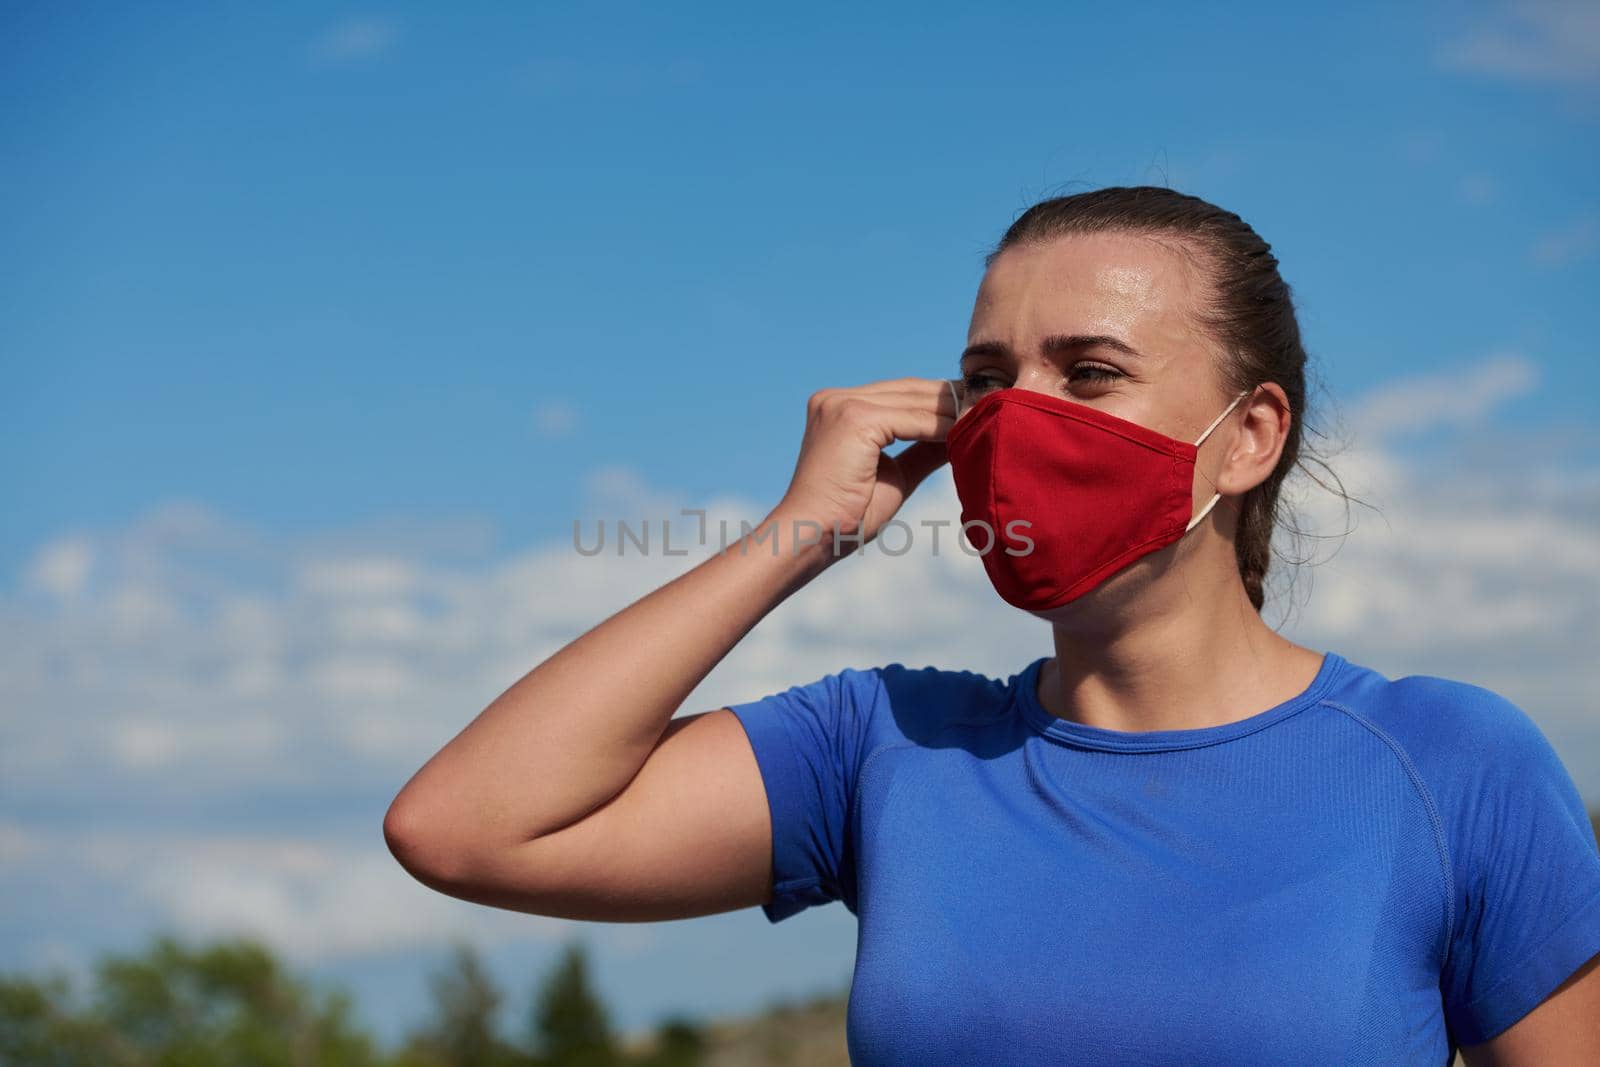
(864, 708)
(916, 704)
(1521, 867)
(1443, 726)
(1478, 757)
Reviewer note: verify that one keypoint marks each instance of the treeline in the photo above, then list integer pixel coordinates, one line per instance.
(233, 1004)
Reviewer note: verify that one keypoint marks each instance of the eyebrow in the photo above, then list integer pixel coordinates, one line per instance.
(1055, 344)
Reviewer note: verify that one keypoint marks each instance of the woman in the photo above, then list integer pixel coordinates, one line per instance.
(1183, 837)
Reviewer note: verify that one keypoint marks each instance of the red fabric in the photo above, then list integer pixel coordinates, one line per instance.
(1099, 491)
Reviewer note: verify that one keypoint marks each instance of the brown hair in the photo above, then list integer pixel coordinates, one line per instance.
(1248, 309)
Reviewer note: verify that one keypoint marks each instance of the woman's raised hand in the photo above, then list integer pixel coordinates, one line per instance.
(843, 478)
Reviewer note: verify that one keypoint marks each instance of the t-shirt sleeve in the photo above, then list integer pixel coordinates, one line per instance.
(808, 741)
(1528, 872)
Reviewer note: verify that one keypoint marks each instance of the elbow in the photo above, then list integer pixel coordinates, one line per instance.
(438, 854)
(416, 844)
(400, 827)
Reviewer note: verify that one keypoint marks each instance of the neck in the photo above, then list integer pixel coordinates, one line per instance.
(1201, 657)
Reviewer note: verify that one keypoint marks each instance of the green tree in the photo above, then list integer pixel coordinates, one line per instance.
(174, 1005)
(464, 1030)
(571, 1027)
(42, 1025)
(680, 1042)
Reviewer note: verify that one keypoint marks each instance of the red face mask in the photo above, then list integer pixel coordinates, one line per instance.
(1069, 494)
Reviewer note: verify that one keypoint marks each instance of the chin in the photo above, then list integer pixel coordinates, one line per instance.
(1114, 593)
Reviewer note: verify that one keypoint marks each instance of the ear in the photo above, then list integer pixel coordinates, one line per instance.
(1256, 440)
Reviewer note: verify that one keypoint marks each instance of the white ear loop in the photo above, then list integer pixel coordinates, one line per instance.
(1214, 496)
(954, 396)
(1219, 418)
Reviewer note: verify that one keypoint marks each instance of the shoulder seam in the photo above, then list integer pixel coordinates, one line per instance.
(853, 827)
(1440, 841)
(861, 773)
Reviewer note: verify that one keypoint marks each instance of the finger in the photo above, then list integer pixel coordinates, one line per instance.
(896, 422)
(941, 400)
(920, 387)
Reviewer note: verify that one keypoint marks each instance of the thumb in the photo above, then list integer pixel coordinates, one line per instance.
(918, 461)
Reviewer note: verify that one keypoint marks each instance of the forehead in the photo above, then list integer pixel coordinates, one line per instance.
(1127, 285)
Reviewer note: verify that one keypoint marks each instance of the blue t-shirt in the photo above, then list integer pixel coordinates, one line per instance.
(1372, 872)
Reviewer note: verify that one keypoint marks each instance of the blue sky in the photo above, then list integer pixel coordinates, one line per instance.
(314, 271)
(367, 304)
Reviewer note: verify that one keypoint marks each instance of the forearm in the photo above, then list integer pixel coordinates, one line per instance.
(571, 733)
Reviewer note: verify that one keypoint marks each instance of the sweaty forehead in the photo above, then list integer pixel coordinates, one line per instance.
(1122, 284)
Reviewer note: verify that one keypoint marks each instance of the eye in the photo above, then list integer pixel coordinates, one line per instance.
(979, 382)
(1092, 372)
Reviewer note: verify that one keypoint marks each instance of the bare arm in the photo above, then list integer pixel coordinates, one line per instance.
(574, 792)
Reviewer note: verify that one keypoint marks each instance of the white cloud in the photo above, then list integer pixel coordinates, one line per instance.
(1454, 398)
(356, 577)
(61, 568)
(1554, 41)
(354, 40)
(310, 897)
